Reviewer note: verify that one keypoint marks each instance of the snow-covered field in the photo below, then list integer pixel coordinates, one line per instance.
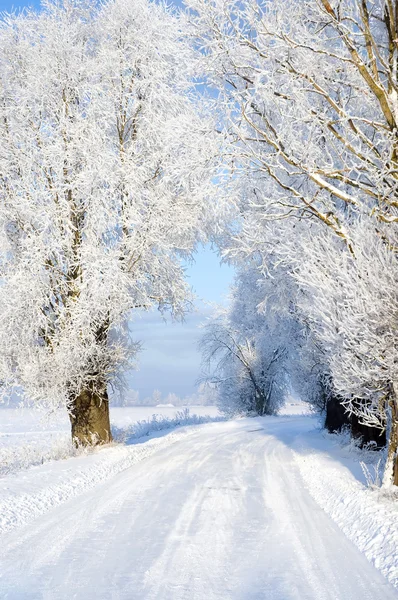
(250, 509)
(29, 437)
(23, 424)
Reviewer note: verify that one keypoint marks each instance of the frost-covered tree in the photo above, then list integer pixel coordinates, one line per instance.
(311, 91)
(156, 397)
(231, 360)
(105, 168)
(351, 305)
(347, 304)
(172, 399)
(311, 94)
(247, 347)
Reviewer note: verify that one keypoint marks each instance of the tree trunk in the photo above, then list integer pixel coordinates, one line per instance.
(392, 456)
(260, 402)
(89, 417)
(367, 433)
(336, 416)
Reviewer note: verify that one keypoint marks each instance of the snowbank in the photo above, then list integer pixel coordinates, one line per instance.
(29, 438)
(17, 457)
(160, 423)
(367, 515)
(24, 495)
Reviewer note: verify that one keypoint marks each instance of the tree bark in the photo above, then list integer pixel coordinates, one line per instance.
(89, 417)
(367, 433)
(392, 456)
(261, 402)
(336, 416)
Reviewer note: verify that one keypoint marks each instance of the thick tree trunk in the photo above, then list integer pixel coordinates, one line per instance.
(392, 456)
(89, 417)
(336, 416)
(366, 433)
(261, 403)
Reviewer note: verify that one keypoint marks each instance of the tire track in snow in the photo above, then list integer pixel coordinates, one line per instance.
(18, 508)
(221, 515)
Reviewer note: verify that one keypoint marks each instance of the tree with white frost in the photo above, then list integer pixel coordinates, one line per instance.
(351, 305)
(105, 170)
(311, 92)
(348, 305)
(246, 349)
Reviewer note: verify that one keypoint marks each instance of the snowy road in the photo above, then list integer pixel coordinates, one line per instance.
(222, 514)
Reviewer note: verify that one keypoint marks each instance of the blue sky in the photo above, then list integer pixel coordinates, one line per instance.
(9, 6)
(170, 360)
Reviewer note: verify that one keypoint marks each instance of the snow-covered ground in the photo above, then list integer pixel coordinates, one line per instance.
(247, 509)
(23, 424)
(29, 437)
(331, 469)
(295, 407)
